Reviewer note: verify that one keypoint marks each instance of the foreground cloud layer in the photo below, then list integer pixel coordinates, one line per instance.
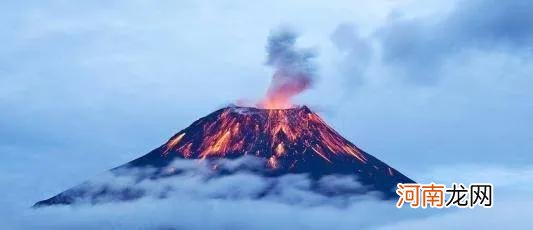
(219, 179)
(189, 201)
(197, 199)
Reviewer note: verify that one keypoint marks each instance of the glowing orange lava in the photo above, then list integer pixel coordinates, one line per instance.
(173, 143)
(275, 134)
(282, 89)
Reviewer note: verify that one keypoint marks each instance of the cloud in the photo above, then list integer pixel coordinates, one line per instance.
(194, 201)
(356, 52)
(512, 199)
(195, 198)
(422, 45)
(434, 74)
(419, 47)
(507, 214)
(505, 179)
(186, 213)
(225, 179)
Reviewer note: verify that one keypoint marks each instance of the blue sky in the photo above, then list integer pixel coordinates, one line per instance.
(426, 86)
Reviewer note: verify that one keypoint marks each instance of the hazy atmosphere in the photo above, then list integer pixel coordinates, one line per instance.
(441, 90)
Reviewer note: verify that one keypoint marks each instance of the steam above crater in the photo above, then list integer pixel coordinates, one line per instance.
(294, 69)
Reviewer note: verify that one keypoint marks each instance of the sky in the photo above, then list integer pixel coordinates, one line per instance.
(440, 90)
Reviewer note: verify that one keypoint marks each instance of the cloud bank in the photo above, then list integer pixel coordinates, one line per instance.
(195, 198)
(194, 201)
(419, 47)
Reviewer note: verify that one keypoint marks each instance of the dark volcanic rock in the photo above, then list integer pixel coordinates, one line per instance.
(291, 141)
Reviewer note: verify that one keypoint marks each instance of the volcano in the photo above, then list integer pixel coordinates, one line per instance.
(290, 141)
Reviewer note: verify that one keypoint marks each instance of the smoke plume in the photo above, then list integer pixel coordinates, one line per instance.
(294, 69)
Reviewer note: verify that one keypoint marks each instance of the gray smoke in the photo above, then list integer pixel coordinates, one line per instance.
(294, 67)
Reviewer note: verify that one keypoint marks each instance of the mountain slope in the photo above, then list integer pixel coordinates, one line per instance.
(290, 141)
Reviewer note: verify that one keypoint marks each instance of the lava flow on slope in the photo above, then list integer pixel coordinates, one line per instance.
(290, 141)
(294, 140)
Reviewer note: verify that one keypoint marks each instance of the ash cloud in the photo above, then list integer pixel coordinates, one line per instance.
(294, 68)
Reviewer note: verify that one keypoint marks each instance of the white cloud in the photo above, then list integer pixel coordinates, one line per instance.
(512, 200)
(195, 199)
(511, 211)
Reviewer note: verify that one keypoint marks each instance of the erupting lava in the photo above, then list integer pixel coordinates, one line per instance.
(269, 133)
(282, 89)
(293, 140)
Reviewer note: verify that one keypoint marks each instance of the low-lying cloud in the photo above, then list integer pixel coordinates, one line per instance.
(221, 179)
(197, 199)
